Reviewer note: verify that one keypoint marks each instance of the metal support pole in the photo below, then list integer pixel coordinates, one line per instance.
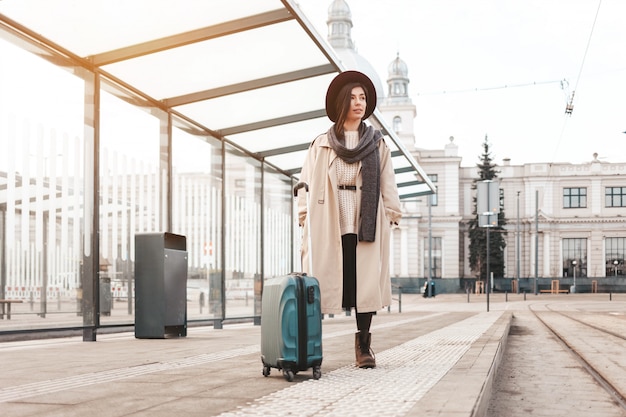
(517, 246)
(488, 207)
(430, 247)
(487, 277)
(536, 240)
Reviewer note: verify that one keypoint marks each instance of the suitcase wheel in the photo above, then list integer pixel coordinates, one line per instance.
(317, 372)
(266, 371)
(288, 374)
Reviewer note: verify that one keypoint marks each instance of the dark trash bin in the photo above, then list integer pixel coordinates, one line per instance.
(160, 285)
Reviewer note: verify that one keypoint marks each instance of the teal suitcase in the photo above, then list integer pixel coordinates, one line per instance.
(291, 325)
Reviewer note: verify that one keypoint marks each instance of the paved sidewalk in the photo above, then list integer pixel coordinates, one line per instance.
(422, 353)
(438, 357)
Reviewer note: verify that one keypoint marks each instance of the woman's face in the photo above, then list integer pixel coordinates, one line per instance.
(358, 105)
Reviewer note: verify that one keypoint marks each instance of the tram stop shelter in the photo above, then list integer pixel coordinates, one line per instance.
(247, 75)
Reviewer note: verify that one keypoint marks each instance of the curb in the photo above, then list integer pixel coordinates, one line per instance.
(466, 389)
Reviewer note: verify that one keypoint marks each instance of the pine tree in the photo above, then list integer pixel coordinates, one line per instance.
(478, 235)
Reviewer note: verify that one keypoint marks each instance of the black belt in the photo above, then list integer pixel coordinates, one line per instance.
(347, 187)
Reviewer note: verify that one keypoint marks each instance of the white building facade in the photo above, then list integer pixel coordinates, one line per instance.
(562, 219)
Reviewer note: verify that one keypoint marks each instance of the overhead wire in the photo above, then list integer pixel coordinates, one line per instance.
(582, 64)
(570, 104)
(473, 90)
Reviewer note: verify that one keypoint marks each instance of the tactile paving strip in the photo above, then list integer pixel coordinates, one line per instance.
(402, 377)
(75, 381)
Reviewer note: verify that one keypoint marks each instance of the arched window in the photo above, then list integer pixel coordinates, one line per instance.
(397, 124)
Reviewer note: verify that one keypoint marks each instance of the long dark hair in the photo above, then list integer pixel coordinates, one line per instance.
(342, 104)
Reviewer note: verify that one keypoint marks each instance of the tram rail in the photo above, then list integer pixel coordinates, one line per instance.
(598, 348)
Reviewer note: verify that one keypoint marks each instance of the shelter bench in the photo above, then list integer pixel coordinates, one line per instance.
(559, 291)
(7, 303)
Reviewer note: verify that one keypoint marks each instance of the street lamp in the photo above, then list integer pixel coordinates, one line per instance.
(616, 262)
(573, 289)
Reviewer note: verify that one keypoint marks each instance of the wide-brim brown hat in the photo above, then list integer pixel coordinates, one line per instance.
(342, 79)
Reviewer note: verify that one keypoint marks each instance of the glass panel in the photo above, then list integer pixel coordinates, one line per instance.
(242, 215)
(125, 23)
(197, 214)
(221, 61)
(277, 230)
(278, 199)
(41, 175)
(262, 104)
(130, 197)
(288, 161)
(283, 135)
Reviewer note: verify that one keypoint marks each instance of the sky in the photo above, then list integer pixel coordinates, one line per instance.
(505, 70)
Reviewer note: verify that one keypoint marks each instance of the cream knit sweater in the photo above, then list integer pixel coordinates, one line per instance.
(346, 175)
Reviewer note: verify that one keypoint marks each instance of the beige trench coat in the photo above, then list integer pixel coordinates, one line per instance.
(373, 281)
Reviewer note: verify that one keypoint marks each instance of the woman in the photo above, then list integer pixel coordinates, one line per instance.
(353, 204)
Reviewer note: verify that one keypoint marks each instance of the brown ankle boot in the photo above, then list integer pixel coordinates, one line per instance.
(364, 355)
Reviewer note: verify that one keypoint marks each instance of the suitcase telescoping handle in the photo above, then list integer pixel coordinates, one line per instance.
(297, 188)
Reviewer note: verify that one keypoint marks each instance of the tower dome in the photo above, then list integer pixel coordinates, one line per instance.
(339, 24)
(339, 7)
(397, 106)
(398, 68)
(339, 36)
(398, 81)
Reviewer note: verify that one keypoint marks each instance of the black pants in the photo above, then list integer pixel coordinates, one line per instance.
(348, 246)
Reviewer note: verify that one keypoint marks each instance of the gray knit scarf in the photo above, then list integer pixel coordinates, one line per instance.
(367, 152)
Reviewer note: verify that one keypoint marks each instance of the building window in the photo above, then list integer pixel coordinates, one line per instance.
(397, 124)
(574, 197)
(435, 260)
(575, 257)
(615, 196)
(615, 255)
(398, 89)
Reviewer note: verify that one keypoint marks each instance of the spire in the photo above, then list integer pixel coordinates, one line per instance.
(340, 25)
(339, 29)
(397, 105)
